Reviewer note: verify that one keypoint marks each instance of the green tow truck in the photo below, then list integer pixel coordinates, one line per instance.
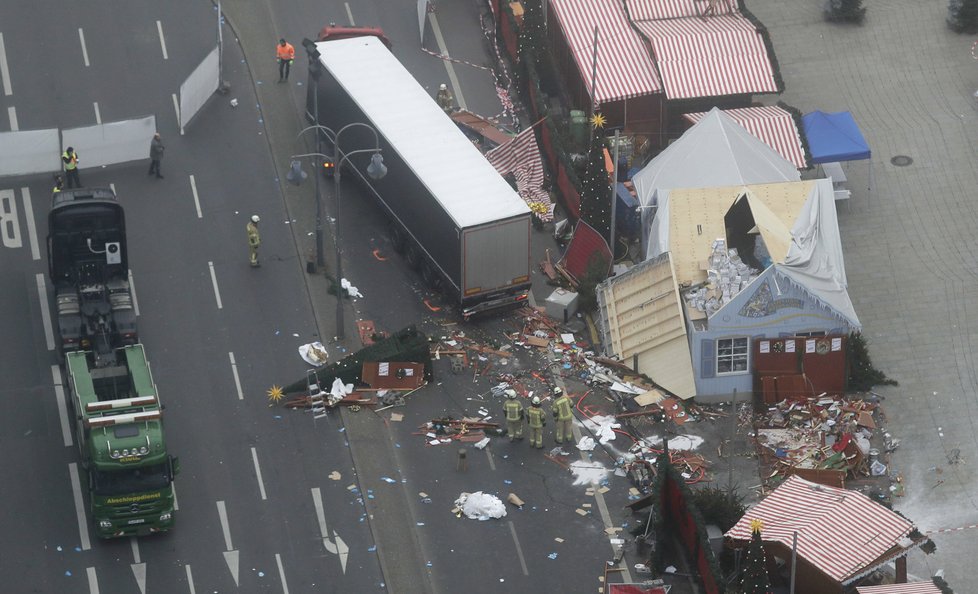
(120, 439)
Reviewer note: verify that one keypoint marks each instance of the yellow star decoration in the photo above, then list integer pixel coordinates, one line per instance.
(598, 120)
(756, 525)
(275, 394)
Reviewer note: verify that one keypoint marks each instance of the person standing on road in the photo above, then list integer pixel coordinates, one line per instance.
(514, 415)
(155, 155)
(70, 160)
(286, 55)
(562, 412)
(445, 99)
(537, 421)
(254, 239)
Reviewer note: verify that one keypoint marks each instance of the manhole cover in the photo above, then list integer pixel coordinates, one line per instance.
(901, 160)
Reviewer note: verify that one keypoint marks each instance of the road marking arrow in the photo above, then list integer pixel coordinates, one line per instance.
(338, 547)
(230, 555)
(137, 566)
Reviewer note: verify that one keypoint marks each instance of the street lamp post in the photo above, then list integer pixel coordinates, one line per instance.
(375, 170)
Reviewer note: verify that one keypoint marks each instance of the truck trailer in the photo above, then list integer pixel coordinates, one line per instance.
(89, 268)
(451, 215)
(120, 440)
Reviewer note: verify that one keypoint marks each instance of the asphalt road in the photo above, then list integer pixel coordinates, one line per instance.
(255, 494)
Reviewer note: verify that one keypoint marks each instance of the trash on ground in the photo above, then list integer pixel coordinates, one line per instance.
(479, 506)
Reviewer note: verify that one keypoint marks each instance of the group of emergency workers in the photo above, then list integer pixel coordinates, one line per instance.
(536, 419)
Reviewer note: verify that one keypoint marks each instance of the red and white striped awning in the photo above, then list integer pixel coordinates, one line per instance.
(914, 588)
(841, 533)
(774, 126)
(704, 56)
(624, 66)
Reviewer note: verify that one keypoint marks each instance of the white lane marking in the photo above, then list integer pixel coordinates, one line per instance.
(132, 290)
(134, 545)
(338, 547)
(492, 463)
(217, 292)
(349, 14)
(261, 483)
(190, 580)
(42, 294)
(281, 573)
(230, 555)
(176, 108)
(193, 188)
(98, 114)
(79, 507)
(176, 503)
(237, 380)
(59, 394)
(159, 27)
(92, 580)
(112, 187)
(81, 38)
(137, 566)
(449, 66)
(223, 513)
(4, 69)
(519, 549)
(12, 115)
(31, 226)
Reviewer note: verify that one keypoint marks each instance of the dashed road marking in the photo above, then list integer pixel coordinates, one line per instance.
(217, 292)
(81, 38)
(86, 544)
(92, 580)
(59, 393)
(281, 573)
(193, 188)
(237, 380)
(42, 294)
(261, 484)
(159, 27)
(4, 69)
(31, 226)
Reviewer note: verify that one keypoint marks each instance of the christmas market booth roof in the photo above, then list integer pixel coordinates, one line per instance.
(716, 151)
(844, 534)
(914, 588)
(772, 125)
(701, 52)
(797, 222)
(624, 68)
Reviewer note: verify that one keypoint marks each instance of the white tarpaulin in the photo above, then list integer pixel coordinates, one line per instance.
(111, 143)
(199, 86)
(480, 506)
(29, 151)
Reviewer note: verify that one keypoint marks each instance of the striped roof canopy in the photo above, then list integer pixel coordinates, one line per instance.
(624, 66)
(841, 533)
(774, 126)
(914, 588)
(704, 52)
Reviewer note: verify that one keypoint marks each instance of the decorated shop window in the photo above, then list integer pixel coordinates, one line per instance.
(732, 354)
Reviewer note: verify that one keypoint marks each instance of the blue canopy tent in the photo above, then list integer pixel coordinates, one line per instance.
(834, 137)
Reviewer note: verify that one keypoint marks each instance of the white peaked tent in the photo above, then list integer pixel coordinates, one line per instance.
(716, 151)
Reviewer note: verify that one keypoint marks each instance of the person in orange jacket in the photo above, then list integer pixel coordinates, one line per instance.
(286, 55)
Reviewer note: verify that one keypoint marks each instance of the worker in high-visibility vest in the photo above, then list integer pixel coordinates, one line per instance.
(286, 55)
(70, 160)
(59, 184)
(537, 420)
(445, 99)
(254, 239)
(563, 431)
(514, 415)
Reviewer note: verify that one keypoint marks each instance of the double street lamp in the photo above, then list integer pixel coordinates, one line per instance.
(334, 163)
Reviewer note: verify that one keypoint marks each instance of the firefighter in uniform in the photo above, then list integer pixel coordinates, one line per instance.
(564, 415)
(254, 240)
(537, 421)
(445, 99)
(514, 416)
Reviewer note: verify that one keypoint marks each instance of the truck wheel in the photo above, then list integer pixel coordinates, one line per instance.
(397, 237)
(431, 277)
(413, 257)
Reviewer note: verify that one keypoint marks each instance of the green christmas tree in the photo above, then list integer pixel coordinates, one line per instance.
(531, 33)
(754, 580)
(845, 11)
(962, 16)
(595, 185)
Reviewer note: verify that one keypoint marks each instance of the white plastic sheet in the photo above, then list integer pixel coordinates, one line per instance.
(480, 506)
(27, 152)
(199, 86)
(110, 143)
